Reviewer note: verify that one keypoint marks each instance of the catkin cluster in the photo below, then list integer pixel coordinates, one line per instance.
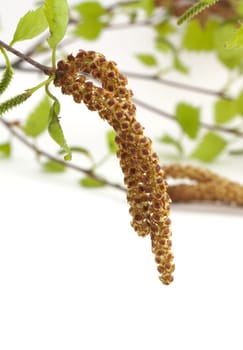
(145, 180)
(205, 186)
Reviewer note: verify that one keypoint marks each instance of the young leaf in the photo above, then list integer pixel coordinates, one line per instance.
(7, 74)
(147, 59)
(80, 150)
(91, 182)
(13, 102)
(5, 150)
(179, 66)
(90, 10)
(53, 167)
(230, 58)
(195, 10)
(164, 28)
(89, 30)
(57, 15)
(55, 129)
(171, 141)
(239, 103)
(210, 147)
(30, 25)
(225, 111)
(236, 41)
(148, 6)
(188, 118)
(110, 139)
(37, 121)
(198, 38)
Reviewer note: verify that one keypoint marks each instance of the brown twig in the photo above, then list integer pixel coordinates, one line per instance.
(41, 152)
(172, 117)
(177, 85)
(46, 70)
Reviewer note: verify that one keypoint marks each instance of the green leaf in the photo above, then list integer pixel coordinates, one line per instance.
(89, 30)
(37, 121)
(90, 10)
(57, 16)
(147, 59)
(164, 28)
(80, 150)
(188, 118)
(236, 41)
(239, 103)
(171, 141)
(91, 182)
(224, 111)
(5, 150)
(198, 38)
(210, 147)
(53, 167)
(110, 139)
(230, 58)
(55, 129)
(179, 66)
(148, 6)
(30, 25)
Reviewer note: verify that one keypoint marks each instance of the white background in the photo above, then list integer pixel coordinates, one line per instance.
(73, 274)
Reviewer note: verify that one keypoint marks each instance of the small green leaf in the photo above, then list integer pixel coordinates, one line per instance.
(147, 59)
(55, 129)
(53, 167)
(110, 139)
(80, 150)
(148, 6)
(179, 66)
(188, 118)
(164, 28)
(89, 30)
(236, 41)
(198, 38)
(171, 141)
(57, 15)
(239, 103)
(90, 10)
(210, 147)
(5, 150)
(225, 111)
(230, 58)
(91, 182)
(30, 25)
(37, 121)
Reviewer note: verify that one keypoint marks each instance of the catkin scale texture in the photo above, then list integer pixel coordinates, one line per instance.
(145, 180)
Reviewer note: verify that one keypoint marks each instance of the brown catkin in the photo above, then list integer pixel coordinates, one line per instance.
(205, 186)
(145, 180)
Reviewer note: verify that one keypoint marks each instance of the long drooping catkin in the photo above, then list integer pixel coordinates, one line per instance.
(146, 186)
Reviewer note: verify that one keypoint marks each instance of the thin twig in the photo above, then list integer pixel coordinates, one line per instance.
(172, 117)
(30, 52)
(41, 152)
(177, 85)
(46, 70)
